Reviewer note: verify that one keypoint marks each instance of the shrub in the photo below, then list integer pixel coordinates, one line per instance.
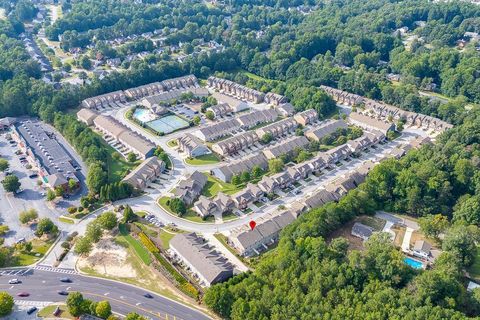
(72, 210)
(147, 242)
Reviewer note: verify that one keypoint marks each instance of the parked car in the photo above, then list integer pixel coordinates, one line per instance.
(31, 310)
(33, 175)
(14, 281)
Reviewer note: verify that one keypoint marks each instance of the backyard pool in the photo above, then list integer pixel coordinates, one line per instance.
(167, 124)
(415, 264)
(144, 115)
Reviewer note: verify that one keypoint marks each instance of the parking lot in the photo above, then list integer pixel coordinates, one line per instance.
(32, 195)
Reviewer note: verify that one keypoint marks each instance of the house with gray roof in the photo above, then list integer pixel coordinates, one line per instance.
(250, 242)
(235, 105)
(306, 117)
(192, 146)
(148, 171)
(285, 147)
(190, 188)
(226, 171)
(369, 123)
(362, 231)
(325, 128)
(279, 128)
(217, 130)
(195, 253)
(320, 198)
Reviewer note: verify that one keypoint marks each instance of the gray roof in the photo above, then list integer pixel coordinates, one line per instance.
(325, 128)
(207, 262)
(422, 246)
(285, 146)
(362, 230)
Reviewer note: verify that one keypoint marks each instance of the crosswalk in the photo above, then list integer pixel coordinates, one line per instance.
(38, 304)
(52, 269)
(27, 271)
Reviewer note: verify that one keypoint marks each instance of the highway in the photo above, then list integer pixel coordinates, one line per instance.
(124, 298)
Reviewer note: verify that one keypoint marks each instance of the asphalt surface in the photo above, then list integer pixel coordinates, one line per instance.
(124, 298)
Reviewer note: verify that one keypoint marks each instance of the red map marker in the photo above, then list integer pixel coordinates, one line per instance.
(252, 224)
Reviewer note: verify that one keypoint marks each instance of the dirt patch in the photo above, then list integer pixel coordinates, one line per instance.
(399, 234)
(109, 259)
(354, 243)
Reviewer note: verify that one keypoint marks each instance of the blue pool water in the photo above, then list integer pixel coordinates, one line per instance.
(413, 263)
(144, 115)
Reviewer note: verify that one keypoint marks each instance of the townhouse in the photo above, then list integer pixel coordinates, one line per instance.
(279, 128)
(235, 144)
(156, 88)
(190, 188)
(148, 171)
(246, 196)
(220, 204)
(343, 97)
(105, 100)
(275, 99)
(285, 147)
(86, 116)
(368, 123)
(217, 130)
(235, 89)
(192, 146)
(220, 110)
(226, 171)
(252, 119)
(251, 242)
(235, 105)
(306, 117)
(338, 153)
(201, 259)
(320, 198)
(325, 128)
(132, 141)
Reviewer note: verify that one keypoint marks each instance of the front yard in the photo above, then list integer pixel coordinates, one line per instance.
(203, 160)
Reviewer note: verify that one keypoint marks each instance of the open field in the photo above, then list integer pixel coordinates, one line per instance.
(40, 247)
(134, 244)
(117, 169)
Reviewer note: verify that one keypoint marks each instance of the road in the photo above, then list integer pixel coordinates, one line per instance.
(149, 202)
(124, 298)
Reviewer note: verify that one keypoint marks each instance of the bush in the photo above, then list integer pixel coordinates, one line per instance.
(72, 210)
(147, 242)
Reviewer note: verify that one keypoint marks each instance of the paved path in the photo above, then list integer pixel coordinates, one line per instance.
(124, 298)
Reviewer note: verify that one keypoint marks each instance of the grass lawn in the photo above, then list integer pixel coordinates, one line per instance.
(117, 169)
(215, 185)
(166, 236)
(47, 312)
(229, 216)
(474, 270)
(141, 214)
(40, 247)
(66, 220)
(223, 239)
(373, 222)
(172, 143)
(151, 232)
(203, 160)
(189, 215)
(140, 250)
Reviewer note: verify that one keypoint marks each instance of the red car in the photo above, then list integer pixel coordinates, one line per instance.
(23, 294)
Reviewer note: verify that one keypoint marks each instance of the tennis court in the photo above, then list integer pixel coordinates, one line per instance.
(167, 124)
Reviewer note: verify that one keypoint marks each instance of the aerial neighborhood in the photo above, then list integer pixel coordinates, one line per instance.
(239, 160)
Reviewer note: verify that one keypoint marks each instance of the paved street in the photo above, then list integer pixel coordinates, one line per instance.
(44, 286)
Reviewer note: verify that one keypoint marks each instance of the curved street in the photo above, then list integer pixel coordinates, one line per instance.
(124, 298)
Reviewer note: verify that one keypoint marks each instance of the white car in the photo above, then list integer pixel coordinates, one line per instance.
(14, 281)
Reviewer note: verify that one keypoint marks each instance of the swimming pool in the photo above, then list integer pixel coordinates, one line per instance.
(144, 115)
(413, 263)
(168, 124)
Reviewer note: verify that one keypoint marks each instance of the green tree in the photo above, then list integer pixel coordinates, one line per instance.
(96, 177)
(303, 156)
(11, 183)
(128, 215)
(461, 241)
(28, 216)
(245, 177)
(266, 138)
(467, 210)
(432, 225)
(196, 120)
(103, 309)
(4, 229)
(4, 164)
(59, 191)
(46, 226)
(51, 195)
(236, 180)
(6, 304)
(74, 303)
(131, 157)
(178, 206)
(257, 171)
(134, 316)
(275, 165)
(94, 232)
(83, 246)
(72, 184)
(209, 115)
(107, 220)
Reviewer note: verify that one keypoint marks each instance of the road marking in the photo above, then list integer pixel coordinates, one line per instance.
(12, 287)
(68, 288)
(122, 297)
(156, 314)
(106, 294)
(138, 303)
